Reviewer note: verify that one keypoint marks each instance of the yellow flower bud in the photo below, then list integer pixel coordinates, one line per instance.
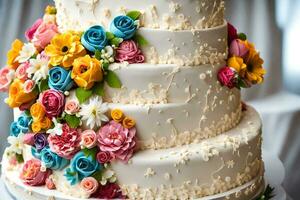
(128, 122)
(51, 10)
(117, 115)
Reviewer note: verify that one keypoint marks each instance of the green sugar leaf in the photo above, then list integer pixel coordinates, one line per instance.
(90, 152)
(98, 89)
(140, 40)
(98, 54)
(83, 95)
(134, 14)
(112, 79)
(43, 85)
(242, 36)
(72, 120)
(109, 35)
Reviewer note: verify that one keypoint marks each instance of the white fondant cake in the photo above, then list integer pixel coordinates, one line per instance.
(194, 137)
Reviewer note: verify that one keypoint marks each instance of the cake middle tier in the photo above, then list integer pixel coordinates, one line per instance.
(175, 105)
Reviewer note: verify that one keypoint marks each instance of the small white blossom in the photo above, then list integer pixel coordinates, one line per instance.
(38, 68)
(93, 113)
(16, 144)
(108, 176)
(27, 51)
(107, 54)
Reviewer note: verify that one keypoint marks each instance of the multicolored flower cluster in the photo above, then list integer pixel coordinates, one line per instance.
(57, 80)
(244, 65)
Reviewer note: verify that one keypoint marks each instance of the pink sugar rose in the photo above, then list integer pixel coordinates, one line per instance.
(226, 76)
(32, 175)
(53, 102)
(72, 107)
(238, 48)
(31, 30)
(103, 157)
(6, 77)
(29, 139)
(50, 184)
(21, 72)
(44, 35)
(117, 140)
(88, 139)
(67, 144)
(28, 86)
(129, 51)
(232, 33)
(89, 185)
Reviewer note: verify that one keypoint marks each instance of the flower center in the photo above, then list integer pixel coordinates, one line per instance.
(113, 135)
(94, 112)
(83, 69)
(38, 66)
(250, 67)
(64, 49)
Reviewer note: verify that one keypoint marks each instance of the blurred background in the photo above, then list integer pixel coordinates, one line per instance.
(274, 27)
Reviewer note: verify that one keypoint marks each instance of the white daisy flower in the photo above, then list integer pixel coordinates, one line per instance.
(38, 69)
(16, 144)
(93, 113)
(27, 51)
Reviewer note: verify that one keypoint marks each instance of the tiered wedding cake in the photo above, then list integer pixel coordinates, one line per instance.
(133, 99)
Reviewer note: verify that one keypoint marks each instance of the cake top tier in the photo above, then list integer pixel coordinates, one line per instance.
(157, 14)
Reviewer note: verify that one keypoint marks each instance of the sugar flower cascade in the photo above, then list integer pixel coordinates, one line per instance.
(244, 64)
(57, 81)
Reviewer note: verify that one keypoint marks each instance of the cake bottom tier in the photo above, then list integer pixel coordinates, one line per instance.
(228, 166)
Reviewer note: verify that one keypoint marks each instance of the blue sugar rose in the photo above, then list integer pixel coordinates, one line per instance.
(24, 123)
(123, 27)
(60, 79)
(35, 153)
(81, 166)
(94, 38)
(14, 129)
(52, 160)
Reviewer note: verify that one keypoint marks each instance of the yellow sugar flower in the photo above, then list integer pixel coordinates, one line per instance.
(13, 53)
(43, 124)
(37, 111)
(86, 71)
(64, 49)
(17, 96)
(255, 72)
(238, 64)
(128, 122)
(36, 126)
(117, 115)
